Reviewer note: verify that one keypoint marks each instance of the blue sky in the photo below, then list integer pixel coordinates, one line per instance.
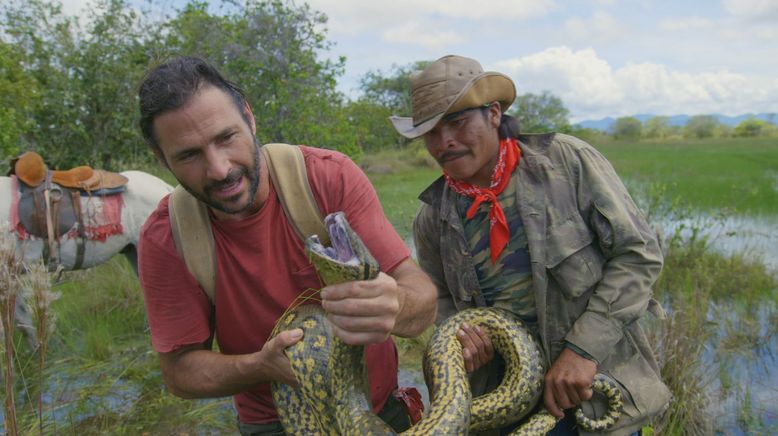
(602, 57)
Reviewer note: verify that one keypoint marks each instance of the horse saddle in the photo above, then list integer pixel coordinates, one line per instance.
(33, 209)
(63, 188)
(30, 169)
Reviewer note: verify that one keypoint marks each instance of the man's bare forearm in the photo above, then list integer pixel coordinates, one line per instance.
(194, 372)
(200, 373)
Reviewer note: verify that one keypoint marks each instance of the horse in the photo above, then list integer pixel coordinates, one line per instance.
(139, 199)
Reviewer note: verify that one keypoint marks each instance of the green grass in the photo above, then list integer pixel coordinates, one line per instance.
(102, 375)
(731, 175)
(399, 194)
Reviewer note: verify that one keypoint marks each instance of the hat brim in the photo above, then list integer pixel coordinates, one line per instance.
(405, 127)
(485, 88)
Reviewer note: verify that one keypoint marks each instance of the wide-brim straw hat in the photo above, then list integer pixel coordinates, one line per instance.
(448, 85)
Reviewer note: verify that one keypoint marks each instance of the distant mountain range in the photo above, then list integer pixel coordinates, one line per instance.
(677, 120)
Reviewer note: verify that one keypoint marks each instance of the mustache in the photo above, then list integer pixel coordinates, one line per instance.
(232, 176)
(449, 155)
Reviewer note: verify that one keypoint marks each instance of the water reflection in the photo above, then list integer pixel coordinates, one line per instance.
(755, 237)
(743, 350)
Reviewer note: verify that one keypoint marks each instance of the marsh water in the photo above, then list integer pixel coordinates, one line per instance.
(744, 348)
(743, 377)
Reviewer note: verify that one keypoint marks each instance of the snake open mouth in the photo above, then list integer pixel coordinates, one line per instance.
(342, 249)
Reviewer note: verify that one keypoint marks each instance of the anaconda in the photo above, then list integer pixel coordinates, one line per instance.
(333, 396)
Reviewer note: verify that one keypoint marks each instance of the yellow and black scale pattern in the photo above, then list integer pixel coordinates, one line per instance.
(307, 408)
(333, 397)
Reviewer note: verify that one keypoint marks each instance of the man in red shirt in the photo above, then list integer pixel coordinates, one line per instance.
(202, 129)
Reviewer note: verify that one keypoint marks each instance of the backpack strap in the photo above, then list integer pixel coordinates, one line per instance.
(191, 228)
(191, 225)
(286, 165)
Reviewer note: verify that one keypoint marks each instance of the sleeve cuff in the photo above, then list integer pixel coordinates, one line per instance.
(579, 351)
(595, 335)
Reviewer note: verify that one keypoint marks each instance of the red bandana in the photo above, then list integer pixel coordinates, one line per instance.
(509, 156)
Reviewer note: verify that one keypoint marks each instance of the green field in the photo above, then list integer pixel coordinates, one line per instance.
(737, 176)
(399, 194)
(731, 175)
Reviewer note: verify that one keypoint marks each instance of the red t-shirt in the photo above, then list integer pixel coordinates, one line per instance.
(262, 267)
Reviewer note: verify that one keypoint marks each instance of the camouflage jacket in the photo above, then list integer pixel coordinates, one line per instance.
(593, 256)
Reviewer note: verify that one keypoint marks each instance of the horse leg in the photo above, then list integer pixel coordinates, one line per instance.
(131, 253)
(24, 323)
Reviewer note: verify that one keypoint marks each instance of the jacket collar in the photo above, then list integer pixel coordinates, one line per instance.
(434, 192)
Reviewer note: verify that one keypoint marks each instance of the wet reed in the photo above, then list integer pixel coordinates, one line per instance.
(39, 297)
(9, 290)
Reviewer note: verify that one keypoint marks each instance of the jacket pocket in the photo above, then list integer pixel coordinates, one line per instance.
(571, 258)
(645, 393)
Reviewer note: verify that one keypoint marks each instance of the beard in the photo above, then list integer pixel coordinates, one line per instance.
(252, 175)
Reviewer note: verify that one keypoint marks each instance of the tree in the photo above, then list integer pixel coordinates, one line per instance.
(701, 126)
(541, 113)
(752, 127)
(657, 127)
(627, 128)
(383, 94)
(18, 96)
(587, 134)
(108, 65)
(391, 90)
(271, 50)
(42, 37)
(373, 130)
(87, 110)
(87, 79)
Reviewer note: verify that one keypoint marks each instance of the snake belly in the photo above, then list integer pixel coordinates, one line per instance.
(333, 395)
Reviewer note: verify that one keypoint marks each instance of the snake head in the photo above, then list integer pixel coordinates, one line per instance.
(347, 259)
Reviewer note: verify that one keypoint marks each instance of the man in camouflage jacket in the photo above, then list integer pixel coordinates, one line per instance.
(592, 257)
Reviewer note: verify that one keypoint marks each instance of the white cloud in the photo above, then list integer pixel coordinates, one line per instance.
(494, 9)
(591, 88)
(350, 17)
(414, 32)
(684, 24)
(601, 27)
(756, 10)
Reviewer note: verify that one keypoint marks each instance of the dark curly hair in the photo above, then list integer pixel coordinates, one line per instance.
(171, 85)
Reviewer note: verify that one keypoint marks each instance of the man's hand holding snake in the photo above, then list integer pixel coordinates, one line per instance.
(364, 311)
(272, 360)
(568, 382)
(477, 349)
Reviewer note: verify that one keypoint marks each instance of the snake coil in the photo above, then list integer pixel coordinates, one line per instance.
(333, 397)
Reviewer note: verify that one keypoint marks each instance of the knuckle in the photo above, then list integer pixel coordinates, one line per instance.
(388, 325)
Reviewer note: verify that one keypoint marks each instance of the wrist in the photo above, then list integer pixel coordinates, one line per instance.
(581, 352)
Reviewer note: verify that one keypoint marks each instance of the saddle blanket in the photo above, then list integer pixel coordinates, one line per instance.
(101, 215)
